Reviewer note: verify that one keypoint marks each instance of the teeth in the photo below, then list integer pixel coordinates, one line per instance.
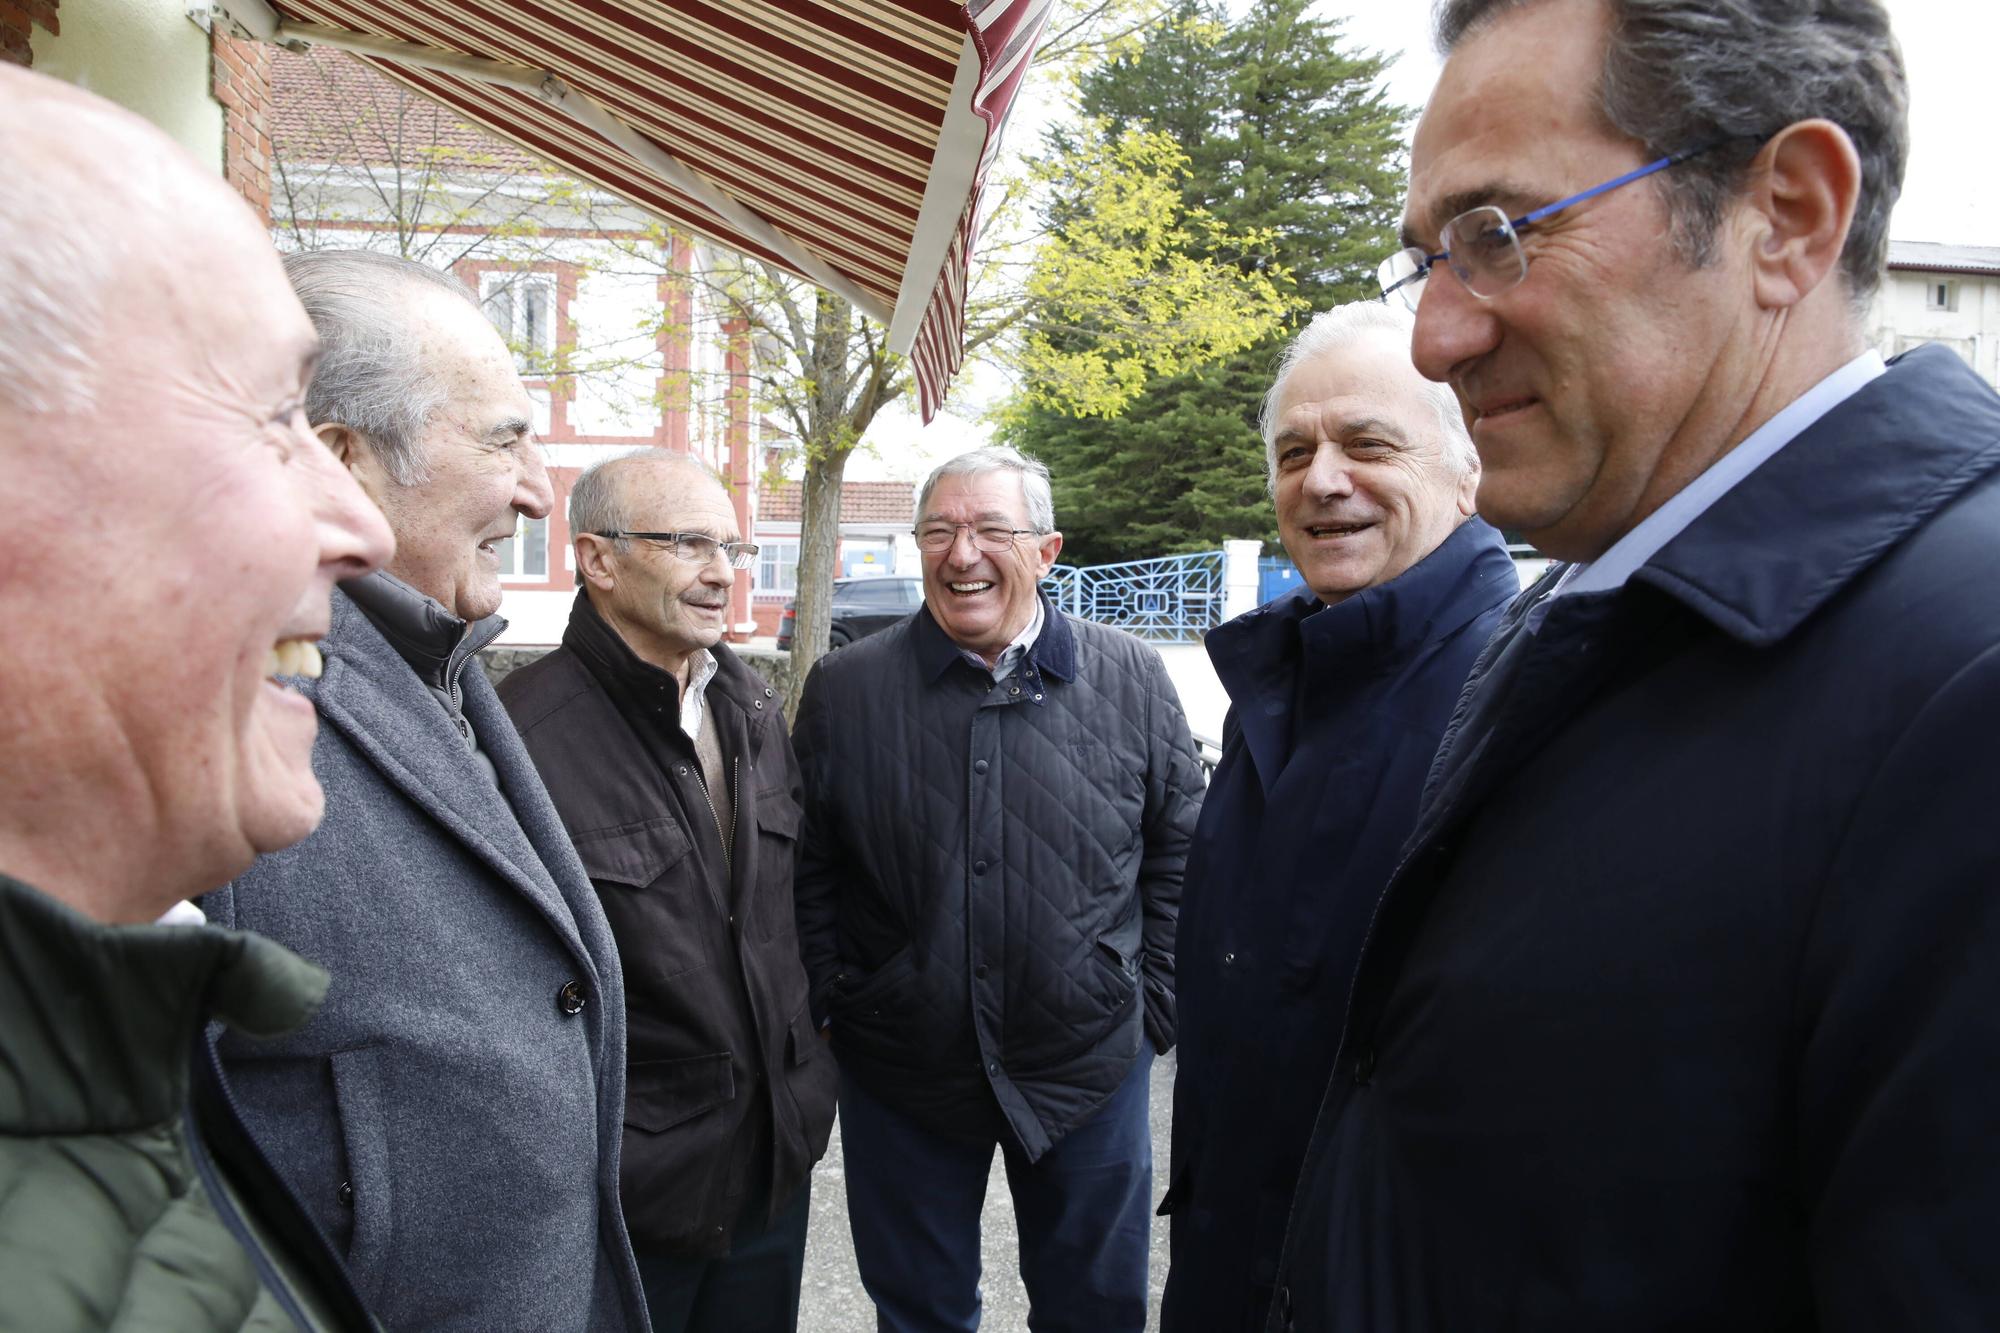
(294, 657)
(970, 587)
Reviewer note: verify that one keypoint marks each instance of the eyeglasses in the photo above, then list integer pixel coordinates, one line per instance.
(1482, 246)
(991, 538)
(695, 548)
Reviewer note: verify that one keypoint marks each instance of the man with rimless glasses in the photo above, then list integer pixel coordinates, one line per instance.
(998, 805)
(669, 764)
(1683, 1007)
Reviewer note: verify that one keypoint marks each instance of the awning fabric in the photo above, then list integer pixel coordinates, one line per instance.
(860, 131)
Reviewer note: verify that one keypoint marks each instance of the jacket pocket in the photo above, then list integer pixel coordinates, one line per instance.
(634, 855)
(368, 1192)
(660, 1094)
(771, 903)
(857, 993)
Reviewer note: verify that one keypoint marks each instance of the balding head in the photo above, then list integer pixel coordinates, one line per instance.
(176, 531)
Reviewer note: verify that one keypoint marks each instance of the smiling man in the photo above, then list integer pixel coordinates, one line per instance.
(152, 371)
(451, 1117)
(1680, 1011)
(668, 760)
(1338, 692)
(998, 804)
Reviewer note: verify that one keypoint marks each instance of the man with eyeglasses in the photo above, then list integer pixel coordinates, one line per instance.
(1683, 1009)
(668, 760)
(998, 804)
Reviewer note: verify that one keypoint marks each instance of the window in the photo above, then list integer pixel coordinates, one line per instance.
(777, 566)
(1940, 295)
(525, 555)
(875, 592)
(523, 307)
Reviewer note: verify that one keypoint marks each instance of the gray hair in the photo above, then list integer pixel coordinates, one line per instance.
(370, 377)
(999, 458)
(1333, 329)
(1678, 74)
(597, 497)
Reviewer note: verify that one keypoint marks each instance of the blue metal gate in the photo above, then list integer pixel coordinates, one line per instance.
(1174, 599)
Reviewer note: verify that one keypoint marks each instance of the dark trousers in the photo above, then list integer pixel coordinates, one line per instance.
(914, 1197)
(752, 1289)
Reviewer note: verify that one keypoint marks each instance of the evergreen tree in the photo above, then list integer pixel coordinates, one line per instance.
(1287, 139)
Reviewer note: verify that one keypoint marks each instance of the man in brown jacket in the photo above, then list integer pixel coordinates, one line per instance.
(668, 760)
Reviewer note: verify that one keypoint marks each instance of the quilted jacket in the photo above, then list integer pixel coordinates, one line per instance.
(130, 1198)
(989, 882)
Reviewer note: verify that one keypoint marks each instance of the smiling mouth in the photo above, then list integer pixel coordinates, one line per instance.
(1330, 530)
(970, 589)
(294, 657)
(1503, 408)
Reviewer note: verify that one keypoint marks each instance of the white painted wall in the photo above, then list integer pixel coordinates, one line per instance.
(145, 55)
(1900, 318)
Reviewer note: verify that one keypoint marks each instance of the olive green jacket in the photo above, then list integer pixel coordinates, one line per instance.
(130, 1198)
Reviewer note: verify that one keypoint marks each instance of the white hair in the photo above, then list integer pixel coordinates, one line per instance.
(1333, 329)
(1000, 458)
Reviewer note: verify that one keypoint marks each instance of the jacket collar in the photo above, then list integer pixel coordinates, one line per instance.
(432, 640)
(1052, 653)
(96, 1021)
(1848, 490)
(628, 677)
(1264, 657)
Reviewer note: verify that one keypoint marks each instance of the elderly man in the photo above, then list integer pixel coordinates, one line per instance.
(668, 761)
(150, 417)
(998, 804)
(1683, 1009)
(451, 1117)
(1338, 693)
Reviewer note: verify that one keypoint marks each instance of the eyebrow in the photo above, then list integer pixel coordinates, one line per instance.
(1504, 193)
(1382, 426)
(508, 428)
(990, 516)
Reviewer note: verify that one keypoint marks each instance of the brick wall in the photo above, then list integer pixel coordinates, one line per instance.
(243, 87)
(18, 19)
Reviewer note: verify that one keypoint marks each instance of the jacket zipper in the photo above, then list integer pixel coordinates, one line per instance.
(728, 868)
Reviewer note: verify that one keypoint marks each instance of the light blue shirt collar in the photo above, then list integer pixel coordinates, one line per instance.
(1010, 657)
(1643, 542)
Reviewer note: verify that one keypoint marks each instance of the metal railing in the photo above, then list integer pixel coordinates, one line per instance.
(1173, 599)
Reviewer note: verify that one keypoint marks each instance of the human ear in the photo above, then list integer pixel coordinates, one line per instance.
(357, 455)
(593, 561)
(1804, 184)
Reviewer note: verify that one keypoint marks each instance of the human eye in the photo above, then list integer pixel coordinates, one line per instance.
(1293, 455)
(934, 537)
(692, 546)
(995, 535)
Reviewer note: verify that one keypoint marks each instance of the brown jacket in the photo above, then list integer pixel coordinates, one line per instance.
(730, 1092)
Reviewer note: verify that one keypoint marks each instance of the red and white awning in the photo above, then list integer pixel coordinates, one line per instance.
(844, 141)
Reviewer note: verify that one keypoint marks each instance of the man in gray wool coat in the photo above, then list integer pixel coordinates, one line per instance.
(451, 1117)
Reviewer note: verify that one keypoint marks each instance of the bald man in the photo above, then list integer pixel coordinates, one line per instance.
(174, 537)
(669, 763)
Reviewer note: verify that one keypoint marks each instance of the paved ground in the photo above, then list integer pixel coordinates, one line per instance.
(833, 1301)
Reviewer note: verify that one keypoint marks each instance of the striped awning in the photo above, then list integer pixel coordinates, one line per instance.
(843, 141)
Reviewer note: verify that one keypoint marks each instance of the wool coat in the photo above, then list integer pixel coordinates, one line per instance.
(1683, 1009)
(1334, 715)
(451, 1115)
(729, 1090)
(991, 875)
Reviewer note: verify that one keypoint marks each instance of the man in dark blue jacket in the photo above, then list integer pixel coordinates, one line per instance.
(1338, 693)
(1683, 1009)
(998, 803)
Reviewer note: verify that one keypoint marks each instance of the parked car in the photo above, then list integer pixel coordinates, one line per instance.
(860, 607)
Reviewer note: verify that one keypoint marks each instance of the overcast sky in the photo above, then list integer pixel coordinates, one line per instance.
(1952, 189)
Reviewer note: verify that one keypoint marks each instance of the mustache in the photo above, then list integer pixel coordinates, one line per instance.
(712, 603)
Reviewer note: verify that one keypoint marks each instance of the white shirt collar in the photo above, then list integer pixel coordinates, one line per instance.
(1644, 541)
(1012, 655)
(701, 670)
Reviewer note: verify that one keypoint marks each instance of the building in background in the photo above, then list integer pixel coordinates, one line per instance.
(876, 518)
(1947, 294)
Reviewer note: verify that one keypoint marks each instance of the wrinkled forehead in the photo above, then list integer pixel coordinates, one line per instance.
(677, 498)
(1514, 112)
(973, 497)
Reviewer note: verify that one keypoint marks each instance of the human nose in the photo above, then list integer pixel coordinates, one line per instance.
(533, 493)
(963, 551)
(354, 537)
(1453, 326)
(1328, 476)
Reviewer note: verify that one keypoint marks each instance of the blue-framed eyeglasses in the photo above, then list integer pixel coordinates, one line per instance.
(1482, 246)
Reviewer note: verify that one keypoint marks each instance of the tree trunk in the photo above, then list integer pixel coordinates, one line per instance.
(819, 534)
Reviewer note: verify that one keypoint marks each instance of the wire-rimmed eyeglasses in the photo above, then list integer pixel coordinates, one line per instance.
(988, 537)
(696, 548)
(1482, 246)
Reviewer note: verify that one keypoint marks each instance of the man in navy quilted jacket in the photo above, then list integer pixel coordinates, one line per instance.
(999, 801)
